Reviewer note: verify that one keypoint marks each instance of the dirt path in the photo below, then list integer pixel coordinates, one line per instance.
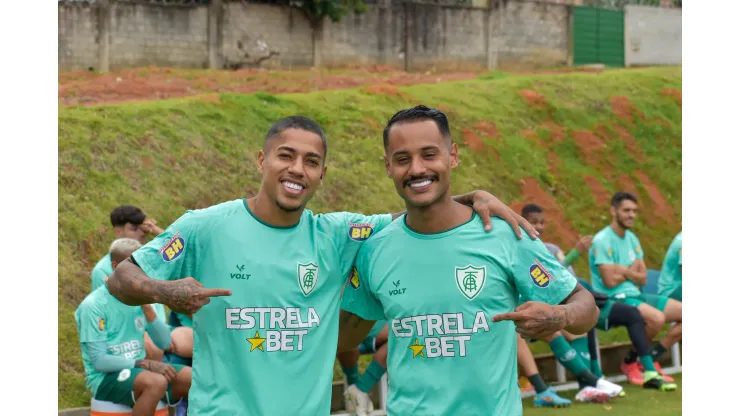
(152, 83)
(145, 84)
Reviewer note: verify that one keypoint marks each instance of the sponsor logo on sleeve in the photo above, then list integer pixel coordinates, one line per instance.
(173, 249)
(539, 274)
(360, 232)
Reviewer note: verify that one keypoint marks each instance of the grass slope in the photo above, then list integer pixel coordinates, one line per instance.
(169, 156)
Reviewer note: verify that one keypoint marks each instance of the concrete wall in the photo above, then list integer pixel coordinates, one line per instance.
(78, 37)
(151, 35)
(532, 34)
(652, 36)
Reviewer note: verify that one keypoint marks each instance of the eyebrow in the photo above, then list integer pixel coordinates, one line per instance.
(293, 151)
(397, 152)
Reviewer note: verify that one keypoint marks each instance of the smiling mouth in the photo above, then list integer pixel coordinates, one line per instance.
(420, 184)
(292, 187)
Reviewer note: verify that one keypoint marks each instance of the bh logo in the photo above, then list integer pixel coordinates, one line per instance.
(360, 232)
(173, 248)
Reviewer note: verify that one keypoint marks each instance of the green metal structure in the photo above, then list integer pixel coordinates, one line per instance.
(598, 36)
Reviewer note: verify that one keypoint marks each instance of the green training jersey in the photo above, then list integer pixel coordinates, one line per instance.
(439, 293)
(609, 248)
(102, 317)
(671, 275)
(269, 348)
(103, 268)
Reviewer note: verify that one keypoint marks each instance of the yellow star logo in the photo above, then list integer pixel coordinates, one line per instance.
(256, 342)
(417, 349)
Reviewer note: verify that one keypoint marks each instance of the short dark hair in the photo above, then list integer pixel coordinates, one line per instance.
(530, 209)
(296, 122)
(418, 113)
(621, 196)
(126, 214)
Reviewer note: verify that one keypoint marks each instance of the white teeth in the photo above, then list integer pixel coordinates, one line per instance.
(420, 184)
(292, 185)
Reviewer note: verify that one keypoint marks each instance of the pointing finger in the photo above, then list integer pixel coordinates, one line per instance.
(215, 292)
(508, 316)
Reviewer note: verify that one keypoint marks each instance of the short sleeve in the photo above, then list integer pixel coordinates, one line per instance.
(91, 323)
(351, 230)
(602, 252)
(173, 254)
(98, 278)
(680, 256)
(358, 297)
(538, 276)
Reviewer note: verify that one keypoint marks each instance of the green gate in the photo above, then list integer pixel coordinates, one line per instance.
(598, 36)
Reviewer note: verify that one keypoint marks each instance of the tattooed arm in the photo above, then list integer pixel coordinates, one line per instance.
(352, 330)
(577, 314)
(580, 311)
(132, 286)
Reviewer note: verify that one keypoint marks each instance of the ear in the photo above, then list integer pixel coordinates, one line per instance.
(114, 264)
(454, 159)
(260, 160)
(613, 210)
(118, 231)
(323, 173)
(387, 165)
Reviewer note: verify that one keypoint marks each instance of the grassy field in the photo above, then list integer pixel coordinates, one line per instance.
(564, 141)
(638, 401)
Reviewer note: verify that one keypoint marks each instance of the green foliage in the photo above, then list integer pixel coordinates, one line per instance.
(333, 9)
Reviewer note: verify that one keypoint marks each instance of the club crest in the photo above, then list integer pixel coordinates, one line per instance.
(470, 280)
(308, 277)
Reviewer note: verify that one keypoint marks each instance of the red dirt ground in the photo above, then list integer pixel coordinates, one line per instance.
(601, 195)
(624, 109)
(472, 140)
(152, 83)
(660, 207)
(557, 132)
(675, 94)
(145, 84)
(624, 136)
(627, 184)
(533, 98)
(557, 227)
(590, 145)
(487, 129)
(529, 134)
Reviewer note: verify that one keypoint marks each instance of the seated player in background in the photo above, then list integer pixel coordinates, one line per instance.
(618, 270)
(128, 222)
(114, 353)
(546, 396)
(615, 314)
(449, 290)
(572, 350)
(357, 398)
(670, 282)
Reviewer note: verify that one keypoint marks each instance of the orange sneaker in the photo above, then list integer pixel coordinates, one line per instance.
(659, 369)
(666, 377)
(633, 373)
